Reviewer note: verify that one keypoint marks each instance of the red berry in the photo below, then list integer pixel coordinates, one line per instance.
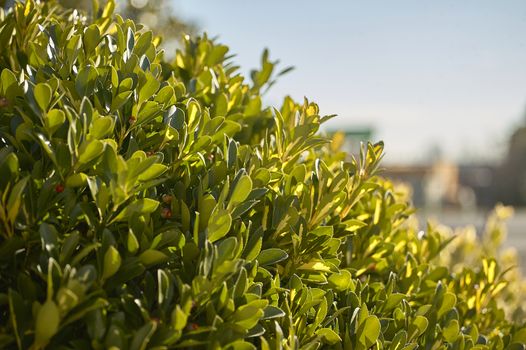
(167, 198)
(59, 188)
(149, 153)
(166, 213)
(194, 326)
(132, 119)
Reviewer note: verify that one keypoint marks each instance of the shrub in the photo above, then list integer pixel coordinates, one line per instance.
(154, 204)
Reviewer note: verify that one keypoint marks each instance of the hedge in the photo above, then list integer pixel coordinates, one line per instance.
(148, 203)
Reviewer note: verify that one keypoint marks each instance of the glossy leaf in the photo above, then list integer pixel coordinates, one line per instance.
(43, 96)
(271, 256)
(218, 224)
(369, 331)
(112, 262)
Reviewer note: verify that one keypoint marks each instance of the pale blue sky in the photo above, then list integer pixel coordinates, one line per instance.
(447, 72)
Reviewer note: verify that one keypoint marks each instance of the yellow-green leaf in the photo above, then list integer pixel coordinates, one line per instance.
(218, 224)
(152, 257)
(112, 262)
(47, 322)
(42, 93)
(54, 119)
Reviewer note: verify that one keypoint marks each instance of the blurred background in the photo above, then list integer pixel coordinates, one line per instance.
(442, 83)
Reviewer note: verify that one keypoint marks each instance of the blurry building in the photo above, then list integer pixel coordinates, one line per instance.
(355, 137)
(414, 175)
(448, 185)
(440, 184)
(435, 186)
(480, 180)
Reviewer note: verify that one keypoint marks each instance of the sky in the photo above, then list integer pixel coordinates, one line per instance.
(445, 74)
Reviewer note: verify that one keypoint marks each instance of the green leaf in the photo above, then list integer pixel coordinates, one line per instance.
(451, 332)
(125, 85)
(490, 269)
(253, 107)
(141, 338)
(154, 171)
(47, 146)
(321, 311)
(72, 49)
(112, 262)
(193, 114)
(271, 256)
(240, 345)
(179, 318)
(328, 336)
(340, 281)
(393, 300)
(271, 312)
(247, 316)
(9, 165)
(448, 302)
(47, 323)
(90, 152)
(150, 87)
(369, 331)
(85, 81)
(217, 54)
(240, 191)
(69, 246)
(9, 87)
(164, 95)
(149, 110)
(253, 246)
(77, 180)
(91, 38)
(119, 100)
(132, 243)
(101, 127)
(138, 207)
(80, 312)
(520, 336)
(231, 154)
(418, 327)
(218, 224)
(54, 119)
(49, 236)
(315, 266)
(227, 248)
(42, 94)
(399, 340)
(163, 287)
(143, 43)
(15, 199)
(353, 225)
(152, 257)
(206, 206)
(130, 39)
(221, 105)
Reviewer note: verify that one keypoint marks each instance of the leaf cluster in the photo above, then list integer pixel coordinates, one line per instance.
(147, 203)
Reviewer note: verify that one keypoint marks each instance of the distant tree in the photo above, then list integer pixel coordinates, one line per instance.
(158, 15)
(511, 179)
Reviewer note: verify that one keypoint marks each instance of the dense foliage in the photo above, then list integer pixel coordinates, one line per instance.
(153, 204)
